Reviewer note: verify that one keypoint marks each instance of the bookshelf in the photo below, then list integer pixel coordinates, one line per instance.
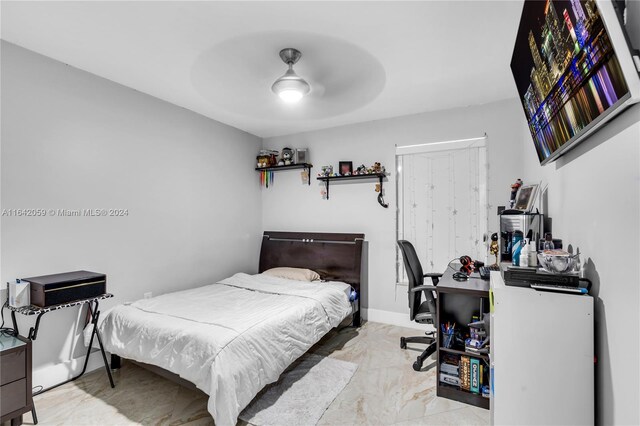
(458, 302)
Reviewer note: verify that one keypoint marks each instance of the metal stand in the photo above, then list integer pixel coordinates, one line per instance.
(94, 314)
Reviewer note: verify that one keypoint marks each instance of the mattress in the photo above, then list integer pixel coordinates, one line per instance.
(230, 338)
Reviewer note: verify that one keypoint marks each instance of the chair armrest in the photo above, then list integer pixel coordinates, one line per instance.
(435, 277)
(423, 287)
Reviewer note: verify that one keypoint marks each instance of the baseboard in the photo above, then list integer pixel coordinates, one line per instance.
(393, 318)
(50, 375)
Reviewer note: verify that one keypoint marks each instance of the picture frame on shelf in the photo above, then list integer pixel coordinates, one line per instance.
(301, 155)
(526, 197)
(345, 168)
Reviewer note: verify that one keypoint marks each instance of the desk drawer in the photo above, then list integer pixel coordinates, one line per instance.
(13, 365)
(13, 396)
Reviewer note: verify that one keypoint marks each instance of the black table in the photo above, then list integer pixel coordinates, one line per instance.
(94, 313)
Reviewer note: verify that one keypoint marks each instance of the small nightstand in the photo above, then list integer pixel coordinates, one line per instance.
(15, 379)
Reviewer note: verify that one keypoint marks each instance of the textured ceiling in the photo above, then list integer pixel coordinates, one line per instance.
(364, 60)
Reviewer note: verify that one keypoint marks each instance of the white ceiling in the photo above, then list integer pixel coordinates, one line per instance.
(364, 60)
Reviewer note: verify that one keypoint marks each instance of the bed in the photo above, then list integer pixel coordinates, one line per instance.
(232, 338)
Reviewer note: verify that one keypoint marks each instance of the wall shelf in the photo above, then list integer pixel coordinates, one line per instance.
(379, 176)
(305, 166)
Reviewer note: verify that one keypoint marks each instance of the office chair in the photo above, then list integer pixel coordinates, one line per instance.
(422, 313)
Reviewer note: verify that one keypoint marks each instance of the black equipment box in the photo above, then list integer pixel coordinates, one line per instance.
(524, 277)
(56, 289)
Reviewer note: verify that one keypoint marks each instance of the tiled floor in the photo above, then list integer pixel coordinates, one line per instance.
(385, 390)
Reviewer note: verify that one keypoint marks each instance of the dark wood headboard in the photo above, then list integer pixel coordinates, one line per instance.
(335, 257)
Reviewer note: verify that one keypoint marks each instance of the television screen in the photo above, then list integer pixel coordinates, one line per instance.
(567, 71)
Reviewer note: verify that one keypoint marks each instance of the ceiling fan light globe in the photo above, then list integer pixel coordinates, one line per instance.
(290, 87)
(290, 96)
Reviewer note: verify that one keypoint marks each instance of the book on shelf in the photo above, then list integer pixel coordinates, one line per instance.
(475, 375)
(449, 358)
(465, 375)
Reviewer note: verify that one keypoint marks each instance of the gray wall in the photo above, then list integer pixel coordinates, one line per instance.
(593, 199)
(352, 207)
(71, 140)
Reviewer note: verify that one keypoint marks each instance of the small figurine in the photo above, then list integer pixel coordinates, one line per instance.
(493, 248)
(361, 170)
(377, 168)
(326, 171)
(286, 158)
(514, 191)
(263, 160)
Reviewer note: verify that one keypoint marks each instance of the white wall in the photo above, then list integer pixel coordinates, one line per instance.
(352, 206)
(593, 199)
(73, 140)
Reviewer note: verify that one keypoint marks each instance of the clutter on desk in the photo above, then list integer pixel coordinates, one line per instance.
(494, 248)
(558, 261)
(485, 271)
(513, 229)
(468, 265)
(516, 247)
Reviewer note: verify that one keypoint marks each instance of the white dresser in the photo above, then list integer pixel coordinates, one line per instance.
(542, 357)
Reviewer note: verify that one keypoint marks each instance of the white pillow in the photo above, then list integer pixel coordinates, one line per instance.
(298, 274)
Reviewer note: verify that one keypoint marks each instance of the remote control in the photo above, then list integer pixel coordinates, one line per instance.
(560, 288)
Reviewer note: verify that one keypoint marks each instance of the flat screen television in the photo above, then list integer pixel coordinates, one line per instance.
(573, 69)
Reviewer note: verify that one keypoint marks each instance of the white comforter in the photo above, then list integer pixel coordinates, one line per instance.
(231, 338)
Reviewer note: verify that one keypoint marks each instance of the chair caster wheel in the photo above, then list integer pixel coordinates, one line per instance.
(417, 366)
(403, 343)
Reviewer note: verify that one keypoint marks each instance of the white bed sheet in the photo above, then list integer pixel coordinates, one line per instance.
(230, 338)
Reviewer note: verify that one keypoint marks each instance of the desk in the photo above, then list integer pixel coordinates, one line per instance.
(94, 314)
(457, 302)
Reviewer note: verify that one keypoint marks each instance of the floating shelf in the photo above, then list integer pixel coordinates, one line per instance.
(306, 166)
(379, 176)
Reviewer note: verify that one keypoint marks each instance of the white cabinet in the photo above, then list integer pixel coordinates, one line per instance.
(542, 357)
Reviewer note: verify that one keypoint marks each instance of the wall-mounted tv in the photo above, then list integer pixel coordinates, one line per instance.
(573, 69)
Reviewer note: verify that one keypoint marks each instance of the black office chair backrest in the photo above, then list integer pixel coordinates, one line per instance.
(416, 278)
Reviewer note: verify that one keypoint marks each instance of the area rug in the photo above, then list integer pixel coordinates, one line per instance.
(302, 394)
